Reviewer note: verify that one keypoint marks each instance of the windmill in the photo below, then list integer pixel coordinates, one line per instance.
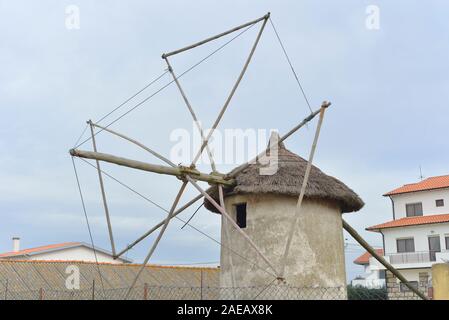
(220, 182)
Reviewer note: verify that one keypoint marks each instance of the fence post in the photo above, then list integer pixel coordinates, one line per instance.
(440, 281)
(6, 289)
(41, 294)
(145, 291)
(201, 285)
(93, 289)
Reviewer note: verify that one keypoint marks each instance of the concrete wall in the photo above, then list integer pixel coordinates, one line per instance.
(428, 202)
(317, 253)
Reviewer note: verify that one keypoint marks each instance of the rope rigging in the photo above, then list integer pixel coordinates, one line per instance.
(291, 65)
(87, 223)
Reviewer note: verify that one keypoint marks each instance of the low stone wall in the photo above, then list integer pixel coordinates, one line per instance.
(394, 287)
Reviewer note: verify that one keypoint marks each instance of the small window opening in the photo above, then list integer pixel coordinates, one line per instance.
(439, 202)
(241, 215)
(413, 209)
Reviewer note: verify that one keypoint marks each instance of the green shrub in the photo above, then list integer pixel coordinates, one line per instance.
(362, 293)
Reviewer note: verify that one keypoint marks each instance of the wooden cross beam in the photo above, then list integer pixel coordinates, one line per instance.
(179, 171)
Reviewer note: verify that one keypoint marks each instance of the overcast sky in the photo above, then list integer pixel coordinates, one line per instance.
(388, 87)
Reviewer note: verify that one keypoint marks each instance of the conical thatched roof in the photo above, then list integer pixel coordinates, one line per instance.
(288, 180)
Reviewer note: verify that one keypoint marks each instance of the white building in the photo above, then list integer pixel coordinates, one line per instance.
(67, 251)
(418, 235)
(372, 278)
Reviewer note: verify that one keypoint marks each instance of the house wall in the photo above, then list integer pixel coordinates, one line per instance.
(419, 233)
(74, 254)
(428, 202)
(316, 257)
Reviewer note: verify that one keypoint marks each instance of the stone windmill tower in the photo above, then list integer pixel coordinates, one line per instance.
(263, 205)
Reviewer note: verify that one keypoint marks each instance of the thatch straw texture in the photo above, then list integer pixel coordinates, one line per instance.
(288, 180)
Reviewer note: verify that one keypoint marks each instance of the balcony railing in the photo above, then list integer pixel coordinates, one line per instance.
(412, 257)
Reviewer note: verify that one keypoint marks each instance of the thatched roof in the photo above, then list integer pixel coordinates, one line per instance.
(288, 180)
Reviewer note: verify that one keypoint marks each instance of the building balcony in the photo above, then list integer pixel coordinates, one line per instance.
(368, 283)
(418, 259)
(412, 257)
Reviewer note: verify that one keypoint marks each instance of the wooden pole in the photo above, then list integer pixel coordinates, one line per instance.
(265, 17)
(179, 171)
(161, 233)
(223, 212)
(297, 214)
(192, 113)
(227, 239)
(236, 171)
(145, 291)
(440, 281)
(6, 289)
(201, 284)
(41, 294)
(154, 153)
(381, 259)
(93, 289)
(157, 226)
(234, 88)
(103, 194)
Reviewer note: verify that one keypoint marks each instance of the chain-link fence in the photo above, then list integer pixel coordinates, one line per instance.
(145, 292)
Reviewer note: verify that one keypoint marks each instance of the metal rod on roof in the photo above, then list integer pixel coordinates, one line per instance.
(295, 219)
(233, 90)
(161, 233)
(223, 212)
(265, 17)
(381, 259)
(284, 137)
(103, 193)
(157, 226)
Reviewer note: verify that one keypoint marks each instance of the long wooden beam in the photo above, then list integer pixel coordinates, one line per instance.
(103, 193)
(159, 237)
(265, 17)
(295, 218)
(381, 259)
(233, 90)
(232, 222)
(307, 119)
(179, 171)
(157, 226)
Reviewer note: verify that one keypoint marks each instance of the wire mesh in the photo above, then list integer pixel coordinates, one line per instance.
(145, 292)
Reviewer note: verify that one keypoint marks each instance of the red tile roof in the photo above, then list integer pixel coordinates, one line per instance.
(39, 249)
(411, 221)
(427, 184)
(364, 258)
